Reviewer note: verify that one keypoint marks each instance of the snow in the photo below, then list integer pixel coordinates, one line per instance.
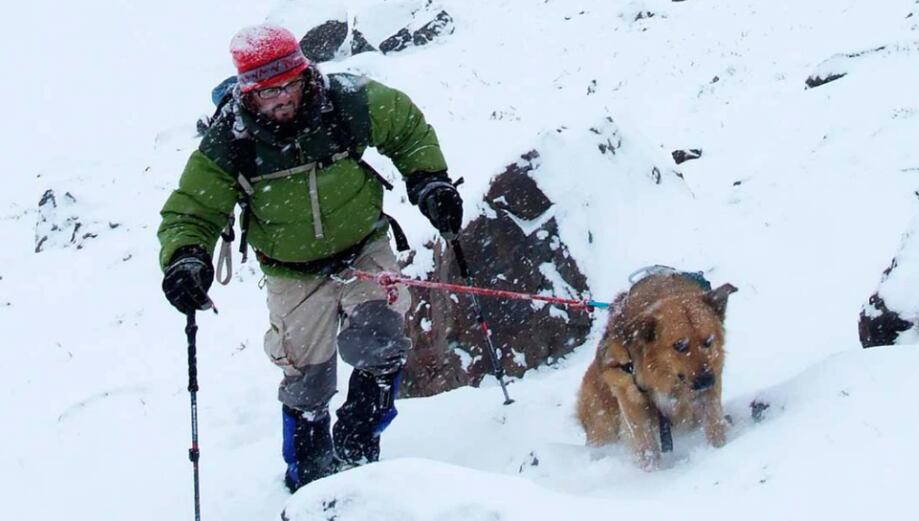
(246, 41)
(800, 199)
(824, 430)
(896, 289)
(560, 287)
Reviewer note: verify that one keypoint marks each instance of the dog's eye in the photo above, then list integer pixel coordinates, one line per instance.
(681, 345)
(709, 341)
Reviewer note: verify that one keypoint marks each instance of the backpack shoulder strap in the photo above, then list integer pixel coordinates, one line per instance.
(235, 154)
(351, 131)
(350, 111)
(351, 118)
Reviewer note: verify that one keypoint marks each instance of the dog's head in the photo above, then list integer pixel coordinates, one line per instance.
(679, 342)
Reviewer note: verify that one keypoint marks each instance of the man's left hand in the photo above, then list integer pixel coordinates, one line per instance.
(439, 201)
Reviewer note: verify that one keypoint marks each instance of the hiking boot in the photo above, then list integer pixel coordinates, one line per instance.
(307, 448)
(367, 411)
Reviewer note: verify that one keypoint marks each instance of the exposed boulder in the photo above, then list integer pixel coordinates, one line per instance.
(516, 192)
(397, 42)
(879, 326)
(816, 80)
(891, 314)
(682, 156)
(514, 246)
(866, 61)
(336, 39)
(359, 43)
(321, 43)
(441, 25)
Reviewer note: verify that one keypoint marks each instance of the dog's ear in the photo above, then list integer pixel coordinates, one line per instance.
(717, 299)
(643, 330)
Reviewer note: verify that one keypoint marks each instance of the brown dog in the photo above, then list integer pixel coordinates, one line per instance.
(662, 352)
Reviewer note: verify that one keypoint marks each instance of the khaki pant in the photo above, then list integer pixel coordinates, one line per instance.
(312, 318)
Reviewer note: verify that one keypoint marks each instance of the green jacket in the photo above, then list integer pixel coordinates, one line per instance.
(282, 225)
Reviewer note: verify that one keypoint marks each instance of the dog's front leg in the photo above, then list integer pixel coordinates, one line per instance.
(713, 421)
(638, 419)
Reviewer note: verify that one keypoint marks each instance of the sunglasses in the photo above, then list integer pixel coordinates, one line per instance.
(274, 92)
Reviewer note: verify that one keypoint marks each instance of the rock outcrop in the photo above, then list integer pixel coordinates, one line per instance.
(891, 314)
(336, 39)
(513, 246)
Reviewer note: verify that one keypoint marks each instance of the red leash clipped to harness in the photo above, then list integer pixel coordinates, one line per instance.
(389, 281)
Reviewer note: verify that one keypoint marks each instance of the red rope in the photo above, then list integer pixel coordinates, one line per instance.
(388, 280)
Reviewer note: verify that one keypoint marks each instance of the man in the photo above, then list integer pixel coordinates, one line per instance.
(287, 148)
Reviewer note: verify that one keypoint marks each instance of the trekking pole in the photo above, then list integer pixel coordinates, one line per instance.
(490, 347)
(190, 331)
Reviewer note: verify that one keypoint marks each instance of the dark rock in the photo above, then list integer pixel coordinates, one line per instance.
(681, 156)
(359, 43)
(396, 42)
(867, 52)
(47, 198)
(816, 81)
(758, 410)
(880, 326)
(449, 345)
(441, 24)
(321, 43)
(516, 192)
(840, 63)
(877, 324)
(610, 140)
(531, 461)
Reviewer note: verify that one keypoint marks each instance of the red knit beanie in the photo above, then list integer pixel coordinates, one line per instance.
(266, 55)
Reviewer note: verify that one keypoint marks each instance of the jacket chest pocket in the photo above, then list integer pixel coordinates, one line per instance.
(283, 201)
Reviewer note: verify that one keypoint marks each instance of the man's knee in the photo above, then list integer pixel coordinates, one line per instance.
(312, 390)
(374, 340)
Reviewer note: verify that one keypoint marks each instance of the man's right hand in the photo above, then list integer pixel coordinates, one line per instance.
(187, 279)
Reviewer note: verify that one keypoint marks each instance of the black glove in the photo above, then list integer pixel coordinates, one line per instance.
(187, 279)
(438, 200)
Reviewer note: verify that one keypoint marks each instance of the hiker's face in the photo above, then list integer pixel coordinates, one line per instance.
(279, 103)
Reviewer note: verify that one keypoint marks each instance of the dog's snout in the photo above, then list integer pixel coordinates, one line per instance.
(703, 381)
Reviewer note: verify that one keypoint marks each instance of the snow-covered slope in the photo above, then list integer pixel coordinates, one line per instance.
(799, 199)
(832, 445)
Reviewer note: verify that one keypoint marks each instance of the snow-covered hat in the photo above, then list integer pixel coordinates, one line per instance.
(266, 55)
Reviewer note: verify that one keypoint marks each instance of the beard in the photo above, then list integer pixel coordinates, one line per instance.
(282, 113)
